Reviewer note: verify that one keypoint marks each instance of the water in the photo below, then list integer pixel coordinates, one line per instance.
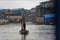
(36, 32)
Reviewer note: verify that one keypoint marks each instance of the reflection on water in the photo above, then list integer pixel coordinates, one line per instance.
(23, 37)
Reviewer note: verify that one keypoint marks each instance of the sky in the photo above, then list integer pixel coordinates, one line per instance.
(26, 4)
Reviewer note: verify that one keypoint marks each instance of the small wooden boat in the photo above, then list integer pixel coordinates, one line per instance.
(24, 32)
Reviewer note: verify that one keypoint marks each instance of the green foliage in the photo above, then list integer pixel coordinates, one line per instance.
(20, 11)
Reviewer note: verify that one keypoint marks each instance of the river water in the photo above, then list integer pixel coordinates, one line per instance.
(36, 32)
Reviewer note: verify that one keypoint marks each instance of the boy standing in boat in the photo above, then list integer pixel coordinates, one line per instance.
(23, 25)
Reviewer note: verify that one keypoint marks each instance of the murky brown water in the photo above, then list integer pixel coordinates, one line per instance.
(36, 32)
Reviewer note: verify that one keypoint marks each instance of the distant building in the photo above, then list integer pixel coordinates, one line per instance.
(47, 7)
(43, 8)
(14, 18)
(38, 10)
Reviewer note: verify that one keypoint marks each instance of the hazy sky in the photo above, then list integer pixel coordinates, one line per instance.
(27, 4)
